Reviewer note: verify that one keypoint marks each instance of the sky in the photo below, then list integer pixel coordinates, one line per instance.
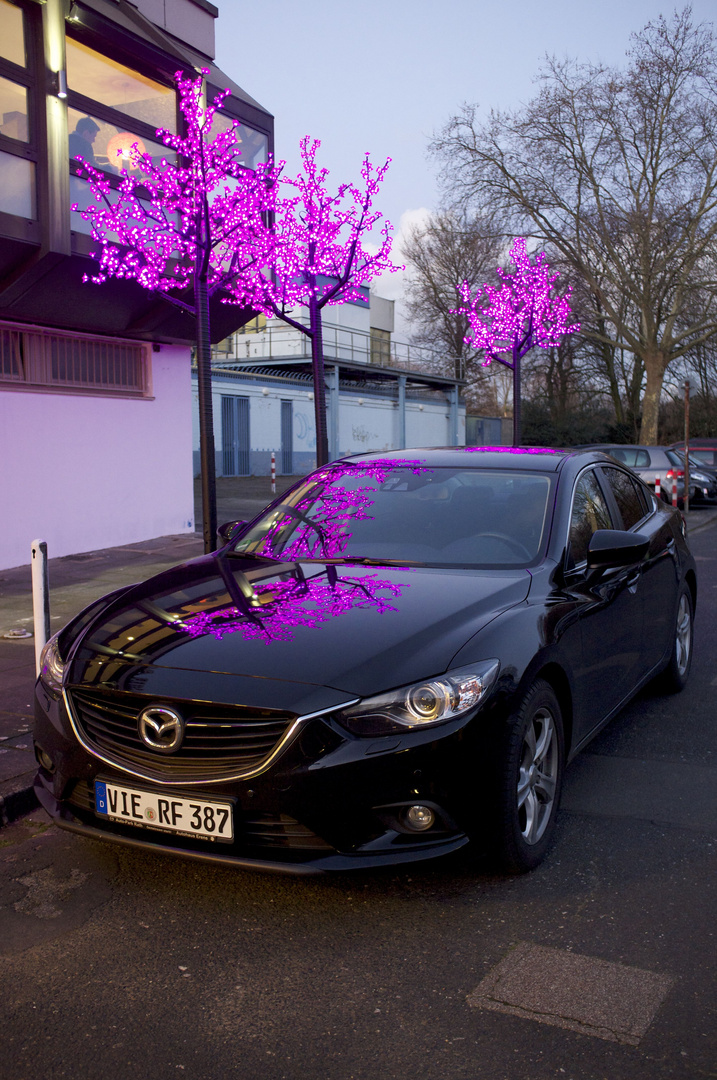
(383, 75)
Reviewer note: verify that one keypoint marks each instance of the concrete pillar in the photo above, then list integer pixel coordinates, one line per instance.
(401, 412)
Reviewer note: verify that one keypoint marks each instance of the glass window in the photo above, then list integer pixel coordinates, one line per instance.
(13, 110)
(403, 511)
(12, 39)
(627, 496)
(253, 147)
(704, 457)
(107, 146)
(590, 513)
(17, 186)
(104, 80)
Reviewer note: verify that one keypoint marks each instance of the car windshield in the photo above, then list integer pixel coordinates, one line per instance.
(384, 512)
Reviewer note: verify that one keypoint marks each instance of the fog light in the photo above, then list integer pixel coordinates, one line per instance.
(419, 818)
(45, 760)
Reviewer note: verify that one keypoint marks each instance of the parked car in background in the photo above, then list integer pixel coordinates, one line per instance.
(704, 451)
(394, 659)
(703, 478)
(649, 462)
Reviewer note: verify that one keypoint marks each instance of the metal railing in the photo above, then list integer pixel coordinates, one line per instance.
(340, 343)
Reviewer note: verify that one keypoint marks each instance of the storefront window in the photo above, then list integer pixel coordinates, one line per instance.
(112, 84)
(17, 186)
(12, 38)
(13, 109)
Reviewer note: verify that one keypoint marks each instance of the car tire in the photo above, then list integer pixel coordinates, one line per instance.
(674, 678)
(531, 777)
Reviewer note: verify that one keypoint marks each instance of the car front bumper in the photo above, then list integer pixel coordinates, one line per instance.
(329, 802)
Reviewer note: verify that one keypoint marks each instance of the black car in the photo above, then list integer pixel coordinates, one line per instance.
(396, 658)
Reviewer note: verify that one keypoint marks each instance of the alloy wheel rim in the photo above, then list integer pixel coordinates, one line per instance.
(537, 776)
(683, 635)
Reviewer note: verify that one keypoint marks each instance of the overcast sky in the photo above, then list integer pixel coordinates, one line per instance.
(383, 75)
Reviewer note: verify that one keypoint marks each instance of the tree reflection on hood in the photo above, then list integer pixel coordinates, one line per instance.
(278, 607)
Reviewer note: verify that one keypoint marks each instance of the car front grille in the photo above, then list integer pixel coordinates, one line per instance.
(220, 741)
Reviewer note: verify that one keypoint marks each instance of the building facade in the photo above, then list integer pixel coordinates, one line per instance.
(381, 394)
(95, 381)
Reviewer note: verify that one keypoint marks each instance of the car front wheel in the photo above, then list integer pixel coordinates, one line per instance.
(531, 780)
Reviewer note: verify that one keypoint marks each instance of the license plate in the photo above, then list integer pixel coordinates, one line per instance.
(204, 818)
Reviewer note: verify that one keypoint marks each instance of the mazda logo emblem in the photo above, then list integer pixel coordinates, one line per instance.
(161, 729)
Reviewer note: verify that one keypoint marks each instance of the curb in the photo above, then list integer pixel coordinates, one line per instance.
(14, 803)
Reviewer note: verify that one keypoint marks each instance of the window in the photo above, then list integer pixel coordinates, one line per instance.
(101, 79)
(53, 360)
(12, 39)
(630, 455)
(627, 496)
(18, 149)
(589, 514)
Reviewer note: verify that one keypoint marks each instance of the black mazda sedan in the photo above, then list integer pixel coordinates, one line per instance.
(395, 659)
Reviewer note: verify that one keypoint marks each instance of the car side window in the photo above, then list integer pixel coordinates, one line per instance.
(626, 495)
(589, 513)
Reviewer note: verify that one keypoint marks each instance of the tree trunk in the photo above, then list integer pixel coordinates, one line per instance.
(655, 370)
(317, 363)
(206, 415)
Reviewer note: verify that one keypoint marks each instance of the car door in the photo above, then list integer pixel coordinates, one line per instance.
(660, 569)
(610, 611)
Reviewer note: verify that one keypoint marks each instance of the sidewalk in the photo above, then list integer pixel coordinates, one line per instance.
(77, 580)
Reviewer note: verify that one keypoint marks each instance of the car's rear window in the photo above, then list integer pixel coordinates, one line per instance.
(412, 514)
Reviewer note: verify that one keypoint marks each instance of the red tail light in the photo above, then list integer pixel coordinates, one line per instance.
(671, 473)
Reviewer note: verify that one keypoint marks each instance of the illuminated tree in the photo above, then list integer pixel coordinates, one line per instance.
(313, 255)
(514, 317)
(176, 225)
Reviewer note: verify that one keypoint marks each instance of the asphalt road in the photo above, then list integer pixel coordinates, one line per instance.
(598, 965)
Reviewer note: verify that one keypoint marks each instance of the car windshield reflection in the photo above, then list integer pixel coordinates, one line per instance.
(408, 515)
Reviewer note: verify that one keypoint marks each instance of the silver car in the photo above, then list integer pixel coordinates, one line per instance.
(651, 462)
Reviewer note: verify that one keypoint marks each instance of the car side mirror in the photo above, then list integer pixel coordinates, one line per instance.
(229, 530)
(613, 547)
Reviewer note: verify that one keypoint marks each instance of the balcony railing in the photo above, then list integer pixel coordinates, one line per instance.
(340, 343)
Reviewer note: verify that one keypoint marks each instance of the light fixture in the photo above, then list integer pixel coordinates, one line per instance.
(59, 86)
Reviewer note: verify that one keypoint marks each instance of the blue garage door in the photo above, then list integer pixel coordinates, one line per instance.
(235, 436)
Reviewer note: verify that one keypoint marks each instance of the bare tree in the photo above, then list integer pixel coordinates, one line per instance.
(617, 170)
(450, 248)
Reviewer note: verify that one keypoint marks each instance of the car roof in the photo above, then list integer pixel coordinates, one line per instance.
(532, 458)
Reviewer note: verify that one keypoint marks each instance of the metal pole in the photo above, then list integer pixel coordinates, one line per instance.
(687, 445)
(40, 598)
(273, 473)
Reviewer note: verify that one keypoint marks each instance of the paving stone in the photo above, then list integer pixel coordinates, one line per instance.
(579, 993)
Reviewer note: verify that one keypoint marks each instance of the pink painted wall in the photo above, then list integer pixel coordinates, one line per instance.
(86, 472)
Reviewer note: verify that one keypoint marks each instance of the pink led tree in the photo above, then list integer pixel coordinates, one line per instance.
(313, 255)
(514, 317)
(175, 227)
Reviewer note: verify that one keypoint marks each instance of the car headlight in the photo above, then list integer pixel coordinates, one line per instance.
(421, 704)
(52, 666)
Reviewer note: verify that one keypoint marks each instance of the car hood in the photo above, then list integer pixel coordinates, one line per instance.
(352, 629)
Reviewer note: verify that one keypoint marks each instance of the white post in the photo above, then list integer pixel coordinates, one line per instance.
(40, 598)
(273, 473)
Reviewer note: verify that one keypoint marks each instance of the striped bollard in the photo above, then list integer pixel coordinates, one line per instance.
(658, 489)
(674, 491)
(273, 473)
